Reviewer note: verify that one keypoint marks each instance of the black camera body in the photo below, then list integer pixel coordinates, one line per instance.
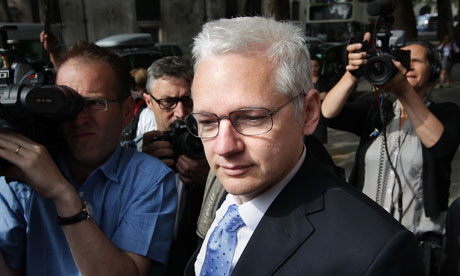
(35, 111)
(184, 143)
(385, 45)
(29, 103)
(379, 68)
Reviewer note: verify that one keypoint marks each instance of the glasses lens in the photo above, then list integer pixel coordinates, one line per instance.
(168, 103)
(202, 125)
(254, 121)
(187, 101)
(95, 105)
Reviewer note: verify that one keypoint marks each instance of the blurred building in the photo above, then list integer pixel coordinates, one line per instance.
(166, 20)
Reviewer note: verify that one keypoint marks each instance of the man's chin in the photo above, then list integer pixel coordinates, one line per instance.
(86, 158)
(243, 186)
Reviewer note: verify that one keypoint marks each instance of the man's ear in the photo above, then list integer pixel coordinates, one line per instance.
(311, 111)
(128, 110)
(148, 100)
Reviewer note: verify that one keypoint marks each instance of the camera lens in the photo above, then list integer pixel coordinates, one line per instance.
(379, 70)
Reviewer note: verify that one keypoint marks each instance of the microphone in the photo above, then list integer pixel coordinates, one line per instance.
(381, 7)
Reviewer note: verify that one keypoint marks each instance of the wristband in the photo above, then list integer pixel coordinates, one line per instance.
(83, 215)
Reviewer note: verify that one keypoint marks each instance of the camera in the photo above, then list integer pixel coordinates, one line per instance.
(36, 110)
(385, 45)
(184, 143)
(29, 104)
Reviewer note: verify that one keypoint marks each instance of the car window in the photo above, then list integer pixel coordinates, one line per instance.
(140, 60)
(432, 24)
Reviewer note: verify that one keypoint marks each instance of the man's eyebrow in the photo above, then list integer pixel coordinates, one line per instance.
(417, 59)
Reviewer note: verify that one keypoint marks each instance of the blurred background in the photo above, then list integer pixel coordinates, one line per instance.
(328, 23)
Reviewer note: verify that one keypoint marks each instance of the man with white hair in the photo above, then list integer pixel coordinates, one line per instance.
(285, 212)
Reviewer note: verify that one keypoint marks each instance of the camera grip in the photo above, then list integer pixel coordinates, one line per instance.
(364, 47)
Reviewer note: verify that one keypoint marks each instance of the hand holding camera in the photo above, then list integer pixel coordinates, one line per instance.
(153, 144)
(180, 150)
(32, 163)
(358, 64)
(382, 46)
(192, 171)
(356, 55)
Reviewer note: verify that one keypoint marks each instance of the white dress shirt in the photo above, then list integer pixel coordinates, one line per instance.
(251, 212)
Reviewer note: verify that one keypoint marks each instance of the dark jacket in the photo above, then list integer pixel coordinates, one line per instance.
(319, 225)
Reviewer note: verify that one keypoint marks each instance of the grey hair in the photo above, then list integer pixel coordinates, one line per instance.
(283, 43)
(172, 66)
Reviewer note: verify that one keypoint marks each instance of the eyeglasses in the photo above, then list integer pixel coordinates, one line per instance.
(97, 104)
(171, 103)
(247, 121)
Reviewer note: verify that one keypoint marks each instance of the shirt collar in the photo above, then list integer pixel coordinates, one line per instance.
(109, 168)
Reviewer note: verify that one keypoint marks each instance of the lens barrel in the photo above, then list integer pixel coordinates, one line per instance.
(379, 69)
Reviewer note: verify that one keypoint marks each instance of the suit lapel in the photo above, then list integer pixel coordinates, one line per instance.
(285, 225)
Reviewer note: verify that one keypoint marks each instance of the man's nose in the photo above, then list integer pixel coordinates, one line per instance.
(82, 117)
(228, 139)
(179, 111)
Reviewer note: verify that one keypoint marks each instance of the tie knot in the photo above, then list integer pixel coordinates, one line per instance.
(232, 220)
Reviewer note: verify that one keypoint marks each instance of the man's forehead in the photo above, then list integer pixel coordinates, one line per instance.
(168, 84)
(80, 62)
(86, 76)
(416, 51)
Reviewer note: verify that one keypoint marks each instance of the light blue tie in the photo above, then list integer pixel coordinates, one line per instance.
(222, 243)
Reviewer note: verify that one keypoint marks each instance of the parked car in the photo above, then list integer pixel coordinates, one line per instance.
(138, 57)
(168, 49)
(427, 26)
(138, 49)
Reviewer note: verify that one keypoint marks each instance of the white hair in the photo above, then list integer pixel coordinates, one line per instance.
(283, 43)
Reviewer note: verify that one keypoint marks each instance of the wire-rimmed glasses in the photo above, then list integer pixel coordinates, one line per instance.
(97, 104)
(247, 121)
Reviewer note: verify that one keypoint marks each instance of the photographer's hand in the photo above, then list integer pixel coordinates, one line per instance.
(34, 165)
(160, 149)
(356, 58)
(192, 171)
(338, 95)
(49, 44)
(398, 84)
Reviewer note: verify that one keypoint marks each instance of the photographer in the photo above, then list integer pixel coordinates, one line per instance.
(403, 160)
(168, 99)
(98, 208)
(448, 49)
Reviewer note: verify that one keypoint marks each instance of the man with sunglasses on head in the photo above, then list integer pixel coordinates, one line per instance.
(96, 208)
(168, 99)
(285, 213)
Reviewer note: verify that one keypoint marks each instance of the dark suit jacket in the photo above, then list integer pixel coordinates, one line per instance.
(319, 225)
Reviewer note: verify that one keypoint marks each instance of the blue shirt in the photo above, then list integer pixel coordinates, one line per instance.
(132, 197)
